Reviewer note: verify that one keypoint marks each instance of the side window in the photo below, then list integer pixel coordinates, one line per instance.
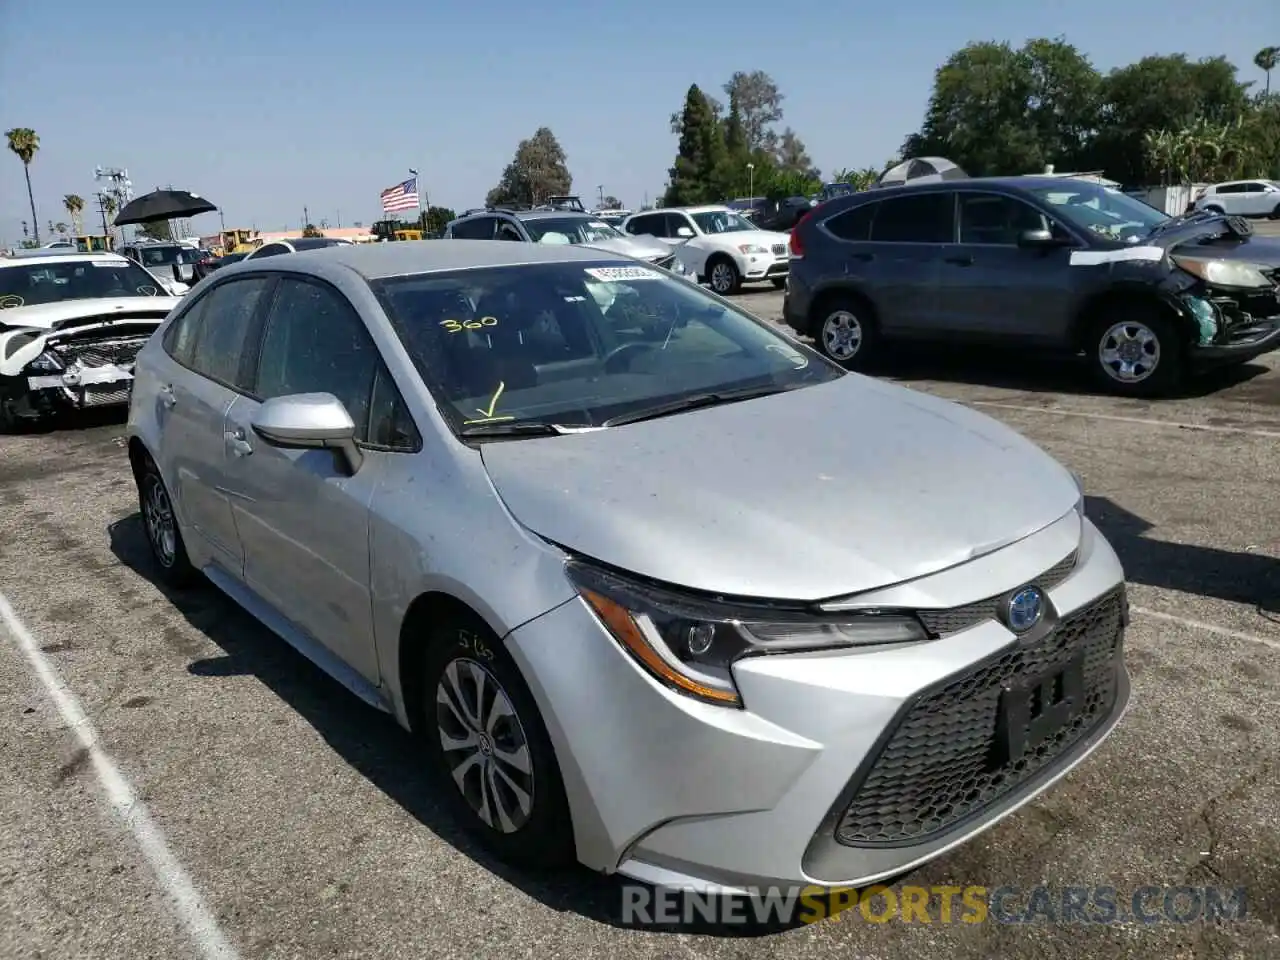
(989, 218)
(390, 425)
(1229, 188)
(677, 220)
(224, 325)
(481, 228)
(315, 342)
(1254, 188)
(853, 224)
(924, 218)
(651, 225)
(507, 231)
(180, 339)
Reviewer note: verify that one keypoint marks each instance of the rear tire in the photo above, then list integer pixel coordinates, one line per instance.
(1136, 351)
(1275, 214)
(490, 747)
(723, 276)
(844, 330)
(160, 522)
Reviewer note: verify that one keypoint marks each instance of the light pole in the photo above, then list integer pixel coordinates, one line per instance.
(751, 181)
(600, 190)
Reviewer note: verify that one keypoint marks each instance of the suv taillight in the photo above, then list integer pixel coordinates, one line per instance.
(795, 243)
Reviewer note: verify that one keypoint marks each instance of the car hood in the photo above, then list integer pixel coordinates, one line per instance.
(1254, 249)
(640, 249)
(766, 238)
(807, 495)
(51, 316)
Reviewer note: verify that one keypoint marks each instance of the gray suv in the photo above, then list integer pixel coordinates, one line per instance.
(1035, 262)
(563, 227)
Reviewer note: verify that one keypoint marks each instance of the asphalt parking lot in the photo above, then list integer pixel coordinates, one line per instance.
(216, 795)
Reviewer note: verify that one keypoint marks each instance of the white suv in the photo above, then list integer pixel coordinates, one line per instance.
(718, 245)
(1246, 198)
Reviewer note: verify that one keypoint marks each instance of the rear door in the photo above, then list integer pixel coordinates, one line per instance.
(198, 381)
(903, 260)
(991, 288)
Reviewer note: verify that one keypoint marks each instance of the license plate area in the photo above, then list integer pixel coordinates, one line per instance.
(1033, 712)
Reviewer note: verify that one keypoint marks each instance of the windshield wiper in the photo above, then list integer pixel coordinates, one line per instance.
(1184, 219)
(693, 402)
(524, 428)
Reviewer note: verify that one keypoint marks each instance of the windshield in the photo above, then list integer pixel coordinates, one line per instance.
(1102, 210)
(576, 344)
(30, 284)
(166, 256)
(570, 230)
(722, 221)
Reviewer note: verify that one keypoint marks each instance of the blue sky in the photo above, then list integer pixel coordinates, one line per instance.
(269, 107)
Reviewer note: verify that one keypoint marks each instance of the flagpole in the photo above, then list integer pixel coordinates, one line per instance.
(417, 193)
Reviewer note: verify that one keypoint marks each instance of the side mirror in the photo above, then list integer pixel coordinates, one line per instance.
(309, 421)
(684, 232)
(1037, 239)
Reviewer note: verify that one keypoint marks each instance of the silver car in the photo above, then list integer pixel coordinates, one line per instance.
(584, 527)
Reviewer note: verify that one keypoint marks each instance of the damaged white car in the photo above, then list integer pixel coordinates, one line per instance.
(70, 328)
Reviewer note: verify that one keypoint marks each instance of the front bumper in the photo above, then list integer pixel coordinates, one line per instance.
(764, 266)
(843, 769)
(1246, 342)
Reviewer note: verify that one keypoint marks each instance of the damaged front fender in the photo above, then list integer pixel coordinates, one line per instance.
(18, 348)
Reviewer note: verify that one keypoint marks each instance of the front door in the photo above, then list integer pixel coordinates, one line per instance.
(303, 521)
(990, 287)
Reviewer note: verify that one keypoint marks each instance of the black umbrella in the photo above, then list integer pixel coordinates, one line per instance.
(924, 169)
(163, 205)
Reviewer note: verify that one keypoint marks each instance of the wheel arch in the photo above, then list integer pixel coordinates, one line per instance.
(833, 293)
(1127, 294)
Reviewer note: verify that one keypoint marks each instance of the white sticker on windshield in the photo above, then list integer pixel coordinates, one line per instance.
(597, 225)
(619, 274)
(1093, 258)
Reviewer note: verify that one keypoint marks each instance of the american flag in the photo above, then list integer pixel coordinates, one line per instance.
(403, 196)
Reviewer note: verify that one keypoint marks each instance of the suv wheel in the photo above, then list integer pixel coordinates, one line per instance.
(844, 332)
(486, 737)
(1136, 351)
(723, 276)
(1275, 214)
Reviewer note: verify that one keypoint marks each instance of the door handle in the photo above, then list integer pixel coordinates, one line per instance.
(167, 397)
(961, 261)
(237, 443)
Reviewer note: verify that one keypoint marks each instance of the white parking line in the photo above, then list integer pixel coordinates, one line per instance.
(1115, 418)
(184, 900)
(1206, 627)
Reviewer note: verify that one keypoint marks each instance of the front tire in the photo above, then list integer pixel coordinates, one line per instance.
(1137, 351)
(779, 283)
(1275, 214)
(490, 747)
(168, 549)
(843, 329)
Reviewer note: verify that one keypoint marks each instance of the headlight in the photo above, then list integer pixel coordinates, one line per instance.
(1225, 273)
(691, 644)
(752, 248)
(46, 363)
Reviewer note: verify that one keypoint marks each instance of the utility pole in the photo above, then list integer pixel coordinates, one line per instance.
(600, 190)
(305, 217)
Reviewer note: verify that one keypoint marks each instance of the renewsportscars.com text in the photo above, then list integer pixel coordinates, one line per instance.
(939, 904)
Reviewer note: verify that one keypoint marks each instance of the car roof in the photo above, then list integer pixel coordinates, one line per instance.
(702, 208)
(43, 255)
(375, 261)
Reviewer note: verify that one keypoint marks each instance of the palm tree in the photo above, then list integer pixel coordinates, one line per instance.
(108, 208)
(24, 142)
(1266, 60)
(74, 205)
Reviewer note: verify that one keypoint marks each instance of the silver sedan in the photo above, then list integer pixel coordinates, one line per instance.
(589, 530)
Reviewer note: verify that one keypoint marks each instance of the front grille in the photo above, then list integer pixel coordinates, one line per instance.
(779, 249)
(940, 765)
(99, 353)
(104, 394)
(943, 622)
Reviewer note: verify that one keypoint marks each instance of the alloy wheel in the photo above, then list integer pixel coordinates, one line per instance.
(484, 745)
(842, 335)
(1129, 352)
(158, 516)
(722, 276)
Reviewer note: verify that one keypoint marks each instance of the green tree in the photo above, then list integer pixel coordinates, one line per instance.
(759, 104)
(539, 170)
(612, 203)
(1266, 60)
(700, 155)
(433, 220)
(74, 205)
(793, 158)
(156, 231)
(731, 178)
(1000, 110)
(25, 144)
(1169, 93)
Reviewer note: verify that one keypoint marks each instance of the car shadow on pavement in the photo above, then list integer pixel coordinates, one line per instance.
(1030, 372)
(1252, 579)
(384, 753)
